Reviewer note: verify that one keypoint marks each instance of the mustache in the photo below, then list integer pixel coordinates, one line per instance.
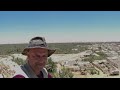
(43, 63)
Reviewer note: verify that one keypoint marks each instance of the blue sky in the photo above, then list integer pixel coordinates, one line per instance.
(59, 26)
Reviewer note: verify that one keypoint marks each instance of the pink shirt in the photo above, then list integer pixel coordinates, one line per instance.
(21, 76)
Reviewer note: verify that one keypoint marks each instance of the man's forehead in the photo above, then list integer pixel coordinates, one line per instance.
(38, 50)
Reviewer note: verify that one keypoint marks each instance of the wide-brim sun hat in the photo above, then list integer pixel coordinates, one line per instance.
(38, 42)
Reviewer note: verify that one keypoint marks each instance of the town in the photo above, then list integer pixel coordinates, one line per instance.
(100, 59)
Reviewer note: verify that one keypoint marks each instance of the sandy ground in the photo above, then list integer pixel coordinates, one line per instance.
(64, 57)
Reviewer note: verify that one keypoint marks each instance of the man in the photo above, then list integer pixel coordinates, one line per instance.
(37, 53)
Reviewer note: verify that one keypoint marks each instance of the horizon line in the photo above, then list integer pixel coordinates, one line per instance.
(71, 42)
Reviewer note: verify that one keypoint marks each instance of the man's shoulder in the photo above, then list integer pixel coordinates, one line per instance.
(19, 76)
(20, 73)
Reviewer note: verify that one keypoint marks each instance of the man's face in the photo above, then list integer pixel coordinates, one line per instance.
(37, 58)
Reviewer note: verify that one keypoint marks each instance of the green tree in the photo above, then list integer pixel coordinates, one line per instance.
(65, 73)
(51, 66)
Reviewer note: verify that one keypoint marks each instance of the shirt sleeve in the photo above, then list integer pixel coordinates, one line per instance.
(18, 76)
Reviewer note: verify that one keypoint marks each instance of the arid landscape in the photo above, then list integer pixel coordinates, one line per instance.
(83, 60)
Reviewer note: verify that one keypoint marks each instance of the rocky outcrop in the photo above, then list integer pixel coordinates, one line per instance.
(7, 67)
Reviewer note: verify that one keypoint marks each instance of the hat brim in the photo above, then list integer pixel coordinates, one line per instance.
(50, 51)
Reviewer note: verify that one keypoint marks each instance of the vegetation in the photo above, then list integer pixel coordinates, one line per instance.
(52, 69)
(91, 58)
(103, 55)
(67, 48)
(61, 48)
(65, 73)
(6, 49)
(51, 66)
(93, 71)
